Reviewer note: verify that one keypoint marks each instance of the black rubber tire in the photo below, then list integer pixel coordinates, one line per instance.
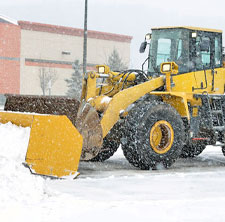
(190, 151)
(110, 144)
(223, 150)
(107, 150)
(136, 140)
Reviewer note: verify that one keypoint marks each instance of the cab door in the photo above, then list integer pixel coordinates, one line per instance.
(203, 63)
(219, 72)
(208, 63)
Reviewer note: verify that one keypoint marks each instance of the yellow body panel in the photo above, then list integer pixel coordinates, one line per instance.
(185, 82)
(182, 92)
(178, 100)
(91, 86)
(54, 146)
(179, 103)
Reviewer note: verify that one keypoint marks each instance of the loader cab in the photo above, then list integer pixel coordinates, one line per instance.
(169, 45)
(193, 49)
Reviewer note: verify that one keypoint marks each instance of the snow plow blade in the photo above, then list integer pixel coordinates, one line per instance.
(55, 145)
(82, 115)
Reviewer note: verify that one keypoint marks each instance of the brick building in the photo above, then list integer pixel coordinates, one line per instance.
(28, 49)
(10, 35)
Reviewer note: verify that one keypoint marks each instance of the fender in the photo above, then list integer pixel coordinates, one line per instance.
(180, 100)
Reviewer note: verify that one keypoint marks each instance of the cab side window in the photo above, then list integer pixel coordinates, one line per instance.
(182, 56)
(202, 57)
(218, 53)
(179, 48)
(163, 52)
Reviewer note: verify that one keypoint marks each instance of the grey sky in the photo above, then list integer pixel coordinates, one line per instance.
(129, 17)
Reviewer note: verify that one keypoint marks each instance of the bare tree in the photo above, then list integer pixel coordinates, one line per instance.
(47, 79)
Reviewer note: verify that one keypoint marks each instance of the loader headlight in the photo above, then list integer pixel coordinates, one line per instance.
(101, 69)
(166, 67)
(169, 67)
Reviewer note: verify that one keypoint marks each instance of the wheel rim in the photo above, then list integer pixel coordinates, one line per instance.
(161, 136)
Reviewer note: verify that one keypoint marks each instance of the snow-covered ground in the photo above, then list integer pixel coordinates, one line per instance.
(192, 190)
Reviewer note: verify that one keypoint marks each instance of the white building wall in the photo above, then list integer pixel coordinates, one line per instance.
(45, 49)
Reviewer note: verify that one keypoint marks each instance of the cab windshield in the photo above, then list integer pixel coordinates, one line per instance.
(169, 45)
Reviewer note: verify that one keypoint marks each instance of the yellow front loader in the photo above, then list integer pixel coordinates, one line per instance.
(172, 108)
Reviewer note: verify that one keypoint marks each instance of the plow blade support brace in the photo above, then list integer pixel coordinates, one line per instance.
(55, 145)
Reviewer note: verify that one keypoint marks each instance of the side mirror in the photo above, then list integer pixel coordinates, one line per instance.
(143, 47)
(205, 44)
(148, 37)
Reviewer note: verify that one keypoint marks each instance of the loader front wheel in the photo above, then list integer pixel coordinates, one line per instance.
(223, 150)
(109, 147)
(153, 136)
(110, 144)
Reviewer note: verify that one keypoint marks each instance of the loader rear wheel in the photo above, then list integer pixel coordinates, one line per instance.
(190, 151)
(153, 136)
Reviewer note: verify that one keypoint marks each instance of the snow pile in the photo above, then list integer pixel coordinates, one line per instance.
(24, 196)
(18, 187)
(106, 99)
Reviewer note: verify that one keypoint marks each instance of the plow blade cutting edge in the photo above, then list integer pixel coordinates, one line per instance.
(55, 144)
